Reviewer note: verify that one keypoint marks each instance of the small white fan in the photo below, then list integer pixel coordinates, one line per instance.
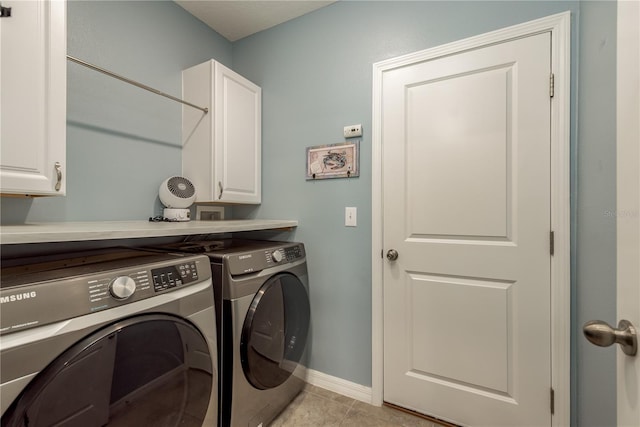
(177, 194)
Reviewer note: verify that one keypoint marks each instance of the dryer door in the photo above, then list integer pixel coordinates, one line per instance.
(275, 331)
(148, 370)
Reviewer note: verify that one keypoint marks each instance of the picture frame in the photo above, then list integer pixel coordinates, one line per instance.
(340, 160)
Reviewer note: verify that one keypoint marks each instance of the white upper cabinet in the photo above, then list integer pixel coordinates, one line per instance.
(33, 86)
(221, 151)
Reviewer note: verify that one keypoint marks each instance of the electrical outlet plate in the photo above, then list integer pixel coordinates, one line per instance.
(209, 213)
(352, 131)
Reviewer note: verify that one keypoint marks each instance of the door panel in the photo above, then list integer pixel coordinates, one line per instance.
(433, 299)
(466, 148)
(466, 130)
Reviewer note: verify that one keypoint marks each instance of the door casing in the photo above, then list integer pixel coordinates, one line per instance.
(560, 27)
(628, 204)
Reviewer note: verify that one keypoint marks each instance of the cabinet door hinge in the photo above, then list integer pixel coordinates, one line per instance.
(553, 401)
(552, 85)
(552, 243)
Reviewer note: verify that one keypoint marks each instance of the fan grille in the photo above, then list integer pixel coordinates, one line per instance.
(181, 187)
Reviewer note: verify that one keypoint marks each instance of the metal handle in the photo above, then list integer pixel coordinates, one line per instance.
(392, 255)
(58, 167)
(600, 333)
(133, 82)
(221, 190)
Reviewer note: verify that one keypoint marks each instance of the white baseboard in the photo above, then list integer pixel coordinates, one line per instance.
(339, 385)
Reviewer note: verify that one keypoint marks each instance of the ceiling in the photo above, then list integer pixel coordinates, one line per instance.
(236, 19)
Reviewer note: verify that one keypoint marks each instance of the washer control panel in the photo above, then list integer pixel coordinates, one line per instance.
(140, 284)
(122, 287)
(174, 275)
(103, 289)
(35, 304)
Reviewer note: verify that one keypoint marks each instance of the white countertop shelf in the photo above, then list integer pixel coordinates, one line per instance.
(103, 230)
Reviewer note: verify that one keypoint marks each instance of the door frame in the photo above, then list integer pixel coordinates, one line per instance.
(628, 200)
(560, 27)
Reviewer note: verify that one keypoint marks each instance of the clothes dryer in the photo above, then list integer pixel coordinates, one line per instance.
(263, 325)
(109, 338)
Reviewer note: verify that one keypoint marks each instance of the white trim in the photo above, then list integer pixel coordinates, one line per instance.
(559, 26)
(628, 201)
(339, 385)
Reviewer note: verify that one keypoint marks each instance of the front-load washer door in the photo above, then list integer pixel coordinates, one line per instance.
(147, 370)
(275, 331)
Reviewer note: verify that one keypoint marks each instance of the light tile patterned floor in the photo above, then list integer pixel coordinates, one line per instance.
(319, 407)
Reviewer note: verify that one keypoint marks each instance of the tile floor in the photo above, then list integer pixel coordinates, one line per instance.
(316, 407)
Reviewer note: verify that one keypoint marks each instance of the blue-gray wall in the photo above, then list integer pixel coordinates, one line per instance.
(316, 77)
(594, 274)
(316, 73)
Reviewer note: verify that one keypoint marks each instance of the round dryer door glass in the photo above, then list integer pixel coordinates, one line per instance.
(149, 370)
(275, 330)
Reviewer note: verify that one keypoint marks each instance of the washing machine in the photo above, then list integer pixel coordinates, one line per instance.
(117, 337)
(263, 325)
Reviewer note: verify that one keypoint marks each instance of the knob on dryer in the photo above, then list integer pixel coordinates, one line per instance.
(122, 287)
(277, 256)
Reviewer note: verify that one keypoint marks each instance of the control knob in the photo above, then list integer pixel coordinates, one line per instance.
(122, 287)
(277, 256)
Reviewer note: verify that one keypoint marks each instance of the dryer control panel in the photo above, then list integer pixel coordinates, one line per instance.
(65, 293)
(256, 260)
(287, 254)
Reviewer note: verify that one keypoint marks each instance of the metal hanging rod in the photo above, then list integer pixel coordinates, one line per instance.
(133, 82)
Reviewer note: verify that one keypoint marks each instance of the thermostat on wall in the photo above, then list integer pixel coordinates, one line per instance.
(352, 131)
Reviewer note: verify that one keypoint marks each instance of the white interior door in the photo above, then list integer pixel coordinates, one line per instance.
(466, 205)
(628, 113)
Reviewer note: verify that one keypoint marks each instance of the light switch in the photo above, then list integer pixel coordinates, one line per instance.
(351, 217)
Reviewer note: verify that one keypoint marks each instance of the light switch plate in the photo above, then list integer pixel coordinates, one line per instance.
(351, 217)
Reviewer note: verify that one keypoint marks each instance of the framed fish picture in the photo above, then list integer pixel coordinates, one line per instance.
(334, 160)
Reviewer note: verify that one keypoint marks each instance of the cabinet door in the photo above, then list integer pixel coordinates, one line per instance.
(197, 130)
(33, 84)
(238, 129)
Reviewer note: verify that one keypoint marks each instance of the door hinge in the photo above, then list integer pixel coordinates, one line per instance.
(552, 85)
(552, 243)
(553, 401)
(5, 12)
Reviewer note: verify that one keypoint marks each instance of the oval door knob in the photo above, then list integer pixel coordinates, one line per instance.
(392, 255)
(600, 333)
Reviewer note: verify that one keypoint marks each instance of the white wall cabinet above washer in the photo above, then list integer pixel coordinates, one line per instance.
(33, 91)
(221, 149)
